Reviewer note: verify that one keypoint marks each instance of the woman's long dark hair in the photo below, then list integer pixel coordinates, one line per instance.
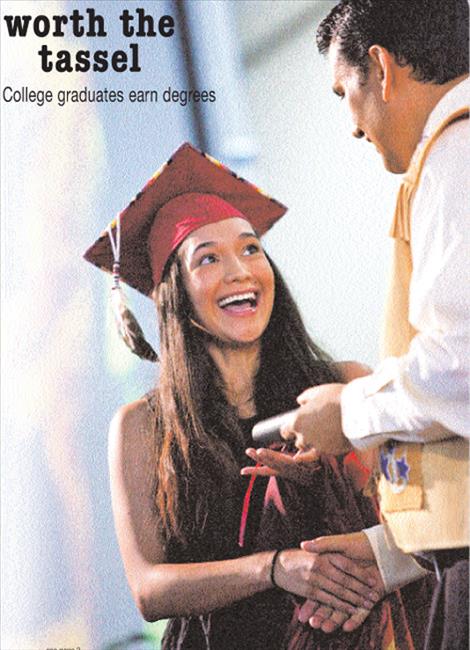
(199, 442)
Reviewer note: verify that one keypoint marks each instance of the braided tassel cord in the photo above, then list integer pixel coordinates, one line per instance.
(128, 327)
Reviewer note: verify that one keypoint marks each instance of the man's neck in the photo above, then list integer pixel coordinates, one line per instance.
(425, 97)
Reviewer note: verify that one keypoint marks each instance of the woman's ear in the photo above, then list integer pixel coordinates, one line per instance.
(384, 64)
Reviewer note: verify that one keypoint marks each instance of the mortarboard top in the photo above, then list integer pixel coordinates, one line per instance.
(190, 190)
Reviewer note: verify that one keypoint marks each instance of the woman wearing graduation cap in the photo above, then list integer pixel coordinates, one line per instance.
(217, 554)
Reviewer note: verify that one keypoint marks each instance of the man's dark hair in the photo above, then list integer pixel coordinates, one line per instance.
(429, 35)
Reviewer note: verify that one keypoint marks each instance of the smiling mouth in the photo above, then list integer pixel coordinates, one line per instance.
(240, 302)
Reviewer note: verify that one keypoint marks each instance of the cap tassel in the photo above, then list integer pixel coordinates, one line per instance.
(128, 327)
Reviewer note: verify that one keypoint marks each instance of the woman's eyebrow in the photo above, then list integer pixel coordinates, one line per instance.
(207, 244)
(204, 244)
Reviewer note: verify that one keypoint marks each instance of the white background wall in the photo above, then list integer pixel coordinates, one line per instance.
(332, 245)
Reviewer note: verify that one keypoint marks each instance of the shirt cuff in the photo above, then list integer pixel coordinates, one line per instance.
(396, 567)
(362, 423)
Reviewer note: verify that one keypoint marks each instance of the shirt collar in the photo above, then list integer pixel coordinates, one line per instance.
(457, 97)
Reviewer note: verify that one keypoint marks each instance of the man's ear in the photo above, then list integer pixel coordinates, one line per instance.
(383, 62)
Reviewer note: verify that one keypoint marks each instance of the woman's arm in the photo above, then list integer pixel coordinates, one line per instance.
(162, 590)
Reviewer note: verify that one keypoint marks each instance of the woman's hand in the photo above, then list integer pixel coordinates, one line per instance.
(330, 578)
(296, 467)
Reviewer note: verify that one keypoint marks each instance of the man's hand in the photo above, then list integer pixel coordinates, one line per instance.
(330, 578)
(317, 423)
(353, 545)
(296, 468)
(350, 370)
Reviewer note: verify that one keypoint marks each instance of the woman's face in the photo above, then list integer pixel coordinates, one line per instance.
(229, 280)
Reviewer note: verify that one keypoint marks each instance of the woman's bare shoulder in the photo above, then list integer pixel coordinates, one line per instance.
(132, 472)
(132, 422)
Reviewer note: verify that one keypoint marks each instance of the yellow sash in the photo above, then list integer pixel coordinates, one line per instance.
(423, 489)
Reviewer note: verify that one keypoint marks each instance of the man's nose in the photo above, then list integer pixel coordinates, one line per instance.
(358, 133)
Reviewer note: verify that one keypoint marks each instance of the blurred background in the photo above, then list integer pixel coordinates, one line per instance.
(66, 172)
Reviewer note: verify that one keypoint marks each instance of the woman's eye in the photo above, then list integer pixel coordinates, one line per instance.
(207, 259)
(251, 249)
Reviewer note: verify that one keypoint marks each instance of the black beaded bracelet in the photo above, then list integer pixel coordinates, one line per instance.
(273, 567)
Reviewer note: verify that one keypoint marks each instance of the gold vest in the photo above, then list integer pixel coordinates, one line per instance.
(423, 488)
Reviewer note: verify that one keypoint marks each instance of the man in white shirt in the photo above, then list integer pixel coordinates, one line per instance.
(402, 68)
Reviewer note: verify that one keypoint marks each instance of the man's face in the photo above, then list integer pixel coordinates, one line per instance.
(373, 118)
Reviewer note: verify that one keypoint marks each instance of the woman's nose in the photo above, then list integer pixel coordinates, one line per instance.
(236, 269)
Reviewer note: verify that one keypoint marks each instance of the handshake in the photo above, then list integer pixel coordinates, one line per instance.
(340, 584)
(338, 575)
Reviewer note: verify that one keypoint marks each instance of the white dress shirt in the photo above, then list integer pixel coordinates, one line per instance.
(424, 395)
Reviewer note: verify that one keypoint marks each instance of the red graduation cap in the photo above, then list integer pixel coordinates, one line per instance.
(190, 190)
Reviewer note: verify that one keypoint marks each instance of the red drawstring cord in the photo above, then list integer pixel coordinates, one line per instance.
(246, 508)
(272, 494)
